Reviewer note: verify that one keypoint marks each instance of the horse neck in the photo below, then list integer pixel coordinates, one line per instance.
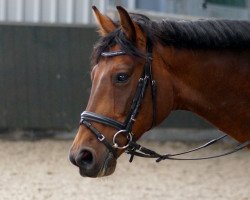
(207, 83)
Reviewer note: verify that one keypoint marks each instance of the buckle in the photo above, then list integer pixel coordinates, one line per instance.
(101, 137)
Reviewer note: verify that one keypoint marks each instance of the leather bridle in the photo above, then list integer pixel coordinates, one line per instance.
(126, 127)
(132, 147)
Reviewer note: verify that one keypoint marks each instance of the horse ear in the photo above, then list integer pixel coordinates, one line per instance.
(127, 24)
(106, 24)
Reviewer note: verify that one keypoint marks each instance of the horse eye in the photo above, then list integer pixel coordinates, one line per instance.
(122, 77)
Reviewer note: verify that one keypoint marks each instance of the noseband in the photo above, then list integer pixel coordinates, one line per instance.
(125, 128)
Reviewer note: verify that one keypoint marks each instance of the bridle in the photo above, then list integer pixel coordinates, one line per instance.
(132, 147)
(126, 127)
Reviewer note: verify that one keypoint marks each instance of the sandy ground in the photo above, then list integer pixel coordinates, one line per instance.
(41, 170)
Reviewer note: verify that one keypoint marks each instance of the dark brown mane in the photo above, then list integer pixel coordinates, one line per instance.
(198, 34)
(204, 34)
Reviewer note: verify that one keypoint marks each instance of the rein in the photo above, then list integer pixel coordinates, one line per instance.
(132, 147)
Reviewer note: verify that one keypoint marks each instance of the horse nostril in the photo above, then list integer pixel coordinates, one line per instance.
(85, 159)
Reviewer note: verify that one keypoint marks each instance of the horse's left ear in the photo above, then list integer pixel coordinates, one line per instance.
(127, 24)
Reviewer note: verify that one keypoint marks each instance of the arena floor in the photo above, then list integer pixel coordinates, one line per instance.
(40, 170)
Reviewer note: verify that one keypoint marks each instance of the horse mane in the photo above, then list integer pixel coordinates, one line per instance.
(206, 34)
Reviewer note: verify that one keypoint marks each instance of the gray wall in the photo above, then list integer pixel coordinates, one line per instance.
(44, 78)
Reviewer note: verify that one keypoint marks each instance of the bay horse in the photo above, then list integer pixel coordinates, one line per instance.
(202, 66)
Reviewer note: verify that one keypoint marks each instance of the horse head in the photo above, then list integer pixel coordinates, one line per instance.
(123, 103)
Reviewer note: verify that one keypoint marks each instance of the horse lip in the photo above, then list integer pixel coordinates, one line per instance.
(85, 173)
(109, 165)
(82, 172)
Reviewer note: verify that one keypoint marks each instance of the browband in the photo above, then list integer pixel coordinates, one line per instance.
(112, 53)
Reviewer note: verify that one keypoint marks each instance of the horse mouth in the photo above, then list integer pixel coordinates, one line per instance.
(109, 165)
(100, 170)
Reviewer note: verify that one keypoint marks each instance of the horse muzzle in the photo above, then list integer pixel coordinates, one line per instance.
(90, 165)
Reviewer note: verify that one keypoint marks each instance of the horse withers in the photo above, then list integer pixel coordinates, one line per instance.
(143, 70)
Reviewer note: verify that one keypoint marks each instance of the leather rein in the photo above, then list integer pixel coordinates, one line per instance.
(132, 147)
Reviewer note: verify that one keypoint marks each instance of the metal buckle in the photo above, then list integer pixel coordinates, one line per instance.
(129, 137)
(101, 137)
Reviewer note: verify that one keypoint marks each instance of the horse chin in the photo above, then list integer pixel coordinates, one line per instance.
(106, 169)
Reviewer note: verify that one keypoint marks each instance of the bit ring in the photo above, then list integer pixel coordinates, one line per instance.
(129, 137)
